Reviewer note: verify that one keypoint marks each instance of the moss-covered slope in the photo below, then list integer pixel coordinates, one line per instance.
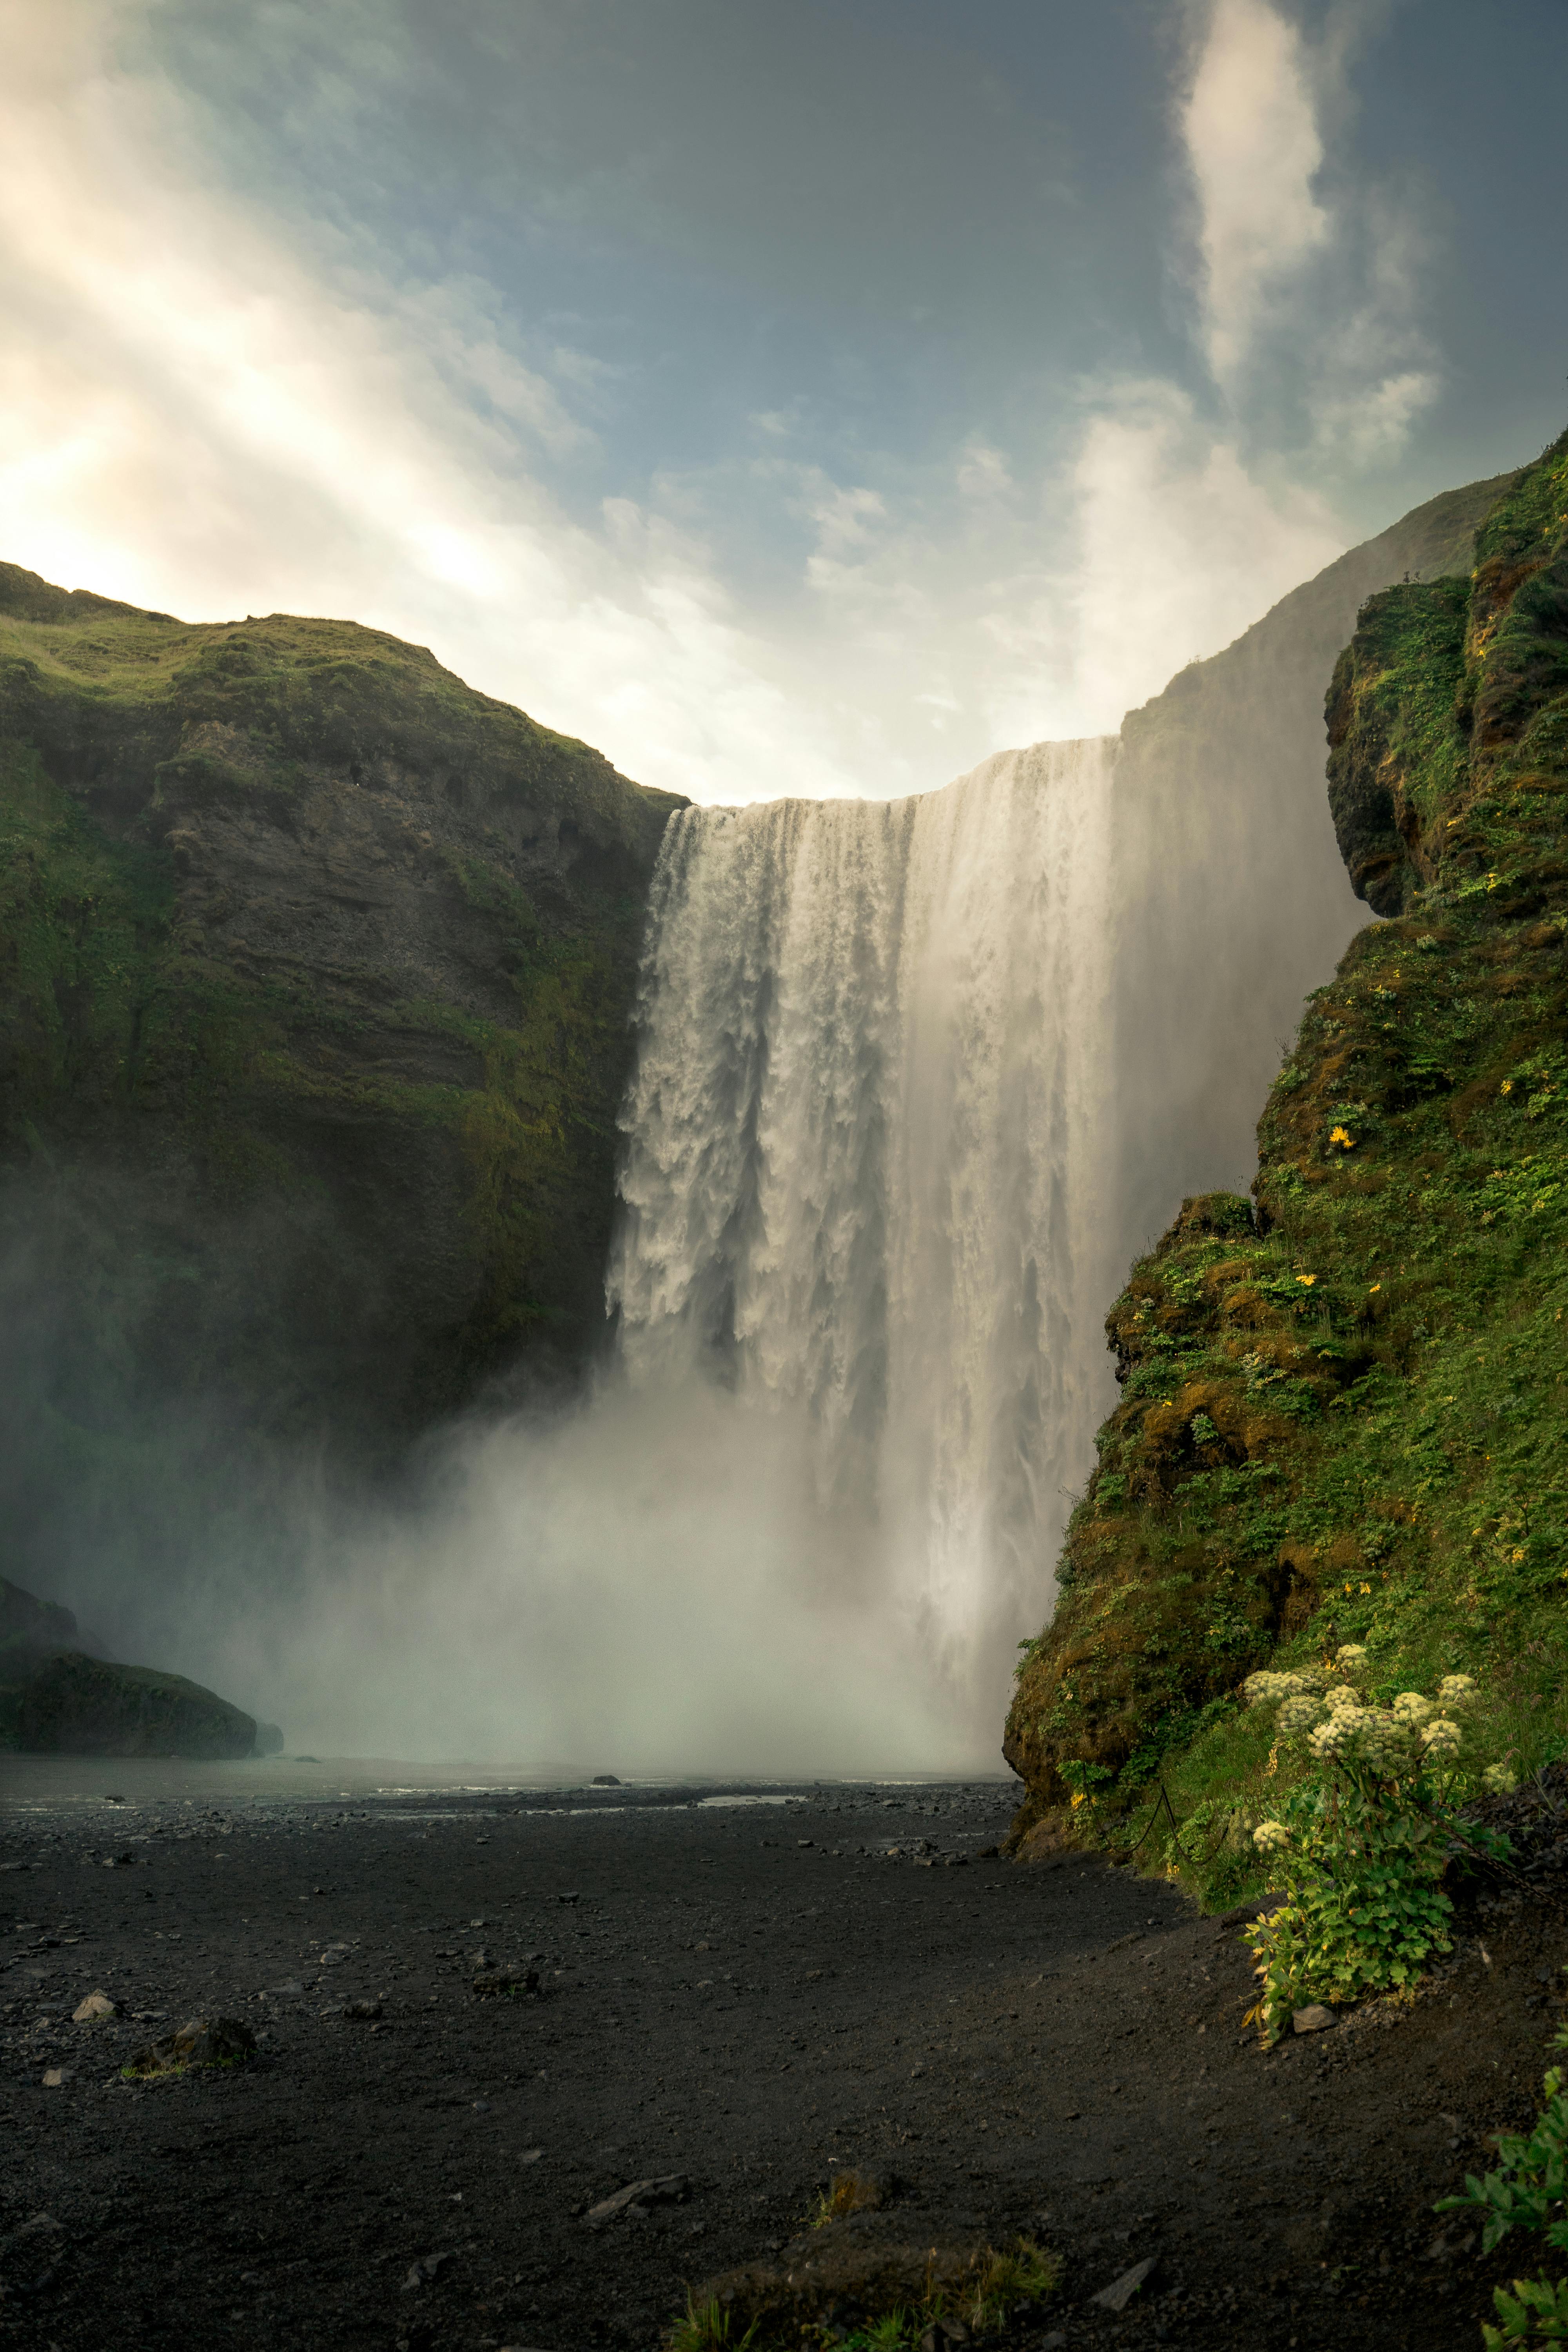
(315, 975)
(1345, 1415)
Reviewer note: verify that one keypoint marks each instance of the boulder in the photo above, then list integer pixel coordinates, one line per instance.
(202, 2042)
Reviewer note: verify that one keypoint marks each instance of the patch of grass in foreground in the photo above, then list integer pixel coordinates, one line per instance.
(998, 2281)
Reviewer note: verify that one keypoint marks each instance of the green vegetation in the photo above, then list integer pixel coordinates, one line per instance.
(1528, 2190)
(1344, 1413)
(1362, 1841)
(706, 2327)
(980, 2290)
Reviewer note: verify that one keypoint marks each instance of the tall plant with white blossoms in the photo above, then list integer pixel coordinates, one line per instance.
(1360, 1845)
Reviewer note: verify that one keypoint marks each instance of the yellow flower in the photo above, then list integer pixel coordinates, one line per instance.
(1366, 1588)
(1506, 1088)
(1342, 1137)
(1376, 1286)
(1077, 1798)
(1518, 1554)
(1307, 1279)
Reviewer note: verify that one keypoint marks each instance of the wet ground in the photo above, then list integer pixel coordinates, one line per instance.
(736, 1997)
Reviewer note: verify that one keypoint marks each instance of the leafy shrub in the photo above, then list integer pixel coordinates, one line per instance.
(1535, 2313)
(1529, 2191)
(1361, 1844)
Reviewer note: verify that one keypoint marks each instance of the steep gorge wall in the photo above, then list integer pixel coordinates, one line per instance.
(1344, 1411)
(316, 970)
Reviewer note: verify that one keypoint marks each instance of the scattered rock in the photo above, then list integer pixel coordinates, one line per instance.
(669, 2190)
(362, 2009)
(97, 2005)
(1316, 2018)
(1121, 2292)
(56, 2077)
(203, 2041)
(605, 1780)
(429, 2267)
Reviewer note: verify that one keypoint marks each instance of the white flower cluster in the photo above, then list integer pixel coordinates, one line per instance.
(1263, 1689)
(1441, 1737)
(1339, 1724)
(1500, 1778)
(1270, 1835)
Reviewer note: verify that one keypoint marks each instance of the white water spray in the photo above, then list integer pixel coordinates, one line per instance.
(867, 1166)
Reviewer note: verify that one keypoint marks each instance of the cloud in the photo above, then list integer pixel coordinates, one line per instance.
(205, 413)
(1307, 287)
(1250, 128)
(196, 421)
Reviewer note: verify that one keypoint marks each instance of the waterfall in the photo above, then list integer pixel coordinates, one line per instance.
(867, 1160)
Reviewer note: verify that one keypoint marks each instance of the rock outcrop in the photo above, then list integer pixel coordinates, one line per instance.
(75, 1706)
(1343, 1413)
(56, 1699)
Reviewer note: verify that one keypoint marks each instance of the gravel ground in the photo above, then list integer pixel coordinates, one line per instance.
(736, 1997)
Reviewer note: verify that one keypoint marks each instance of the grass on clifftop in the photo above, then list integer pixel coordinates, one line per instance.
(1348, 1419)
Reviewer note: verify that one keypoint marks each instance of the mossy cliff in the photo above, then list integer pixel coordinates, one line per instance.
(1344, 1404)
(315, 977)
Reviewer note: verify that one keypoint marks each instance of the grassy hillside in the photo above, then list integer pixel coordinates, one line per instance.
(315, 976)
(1344, 1408)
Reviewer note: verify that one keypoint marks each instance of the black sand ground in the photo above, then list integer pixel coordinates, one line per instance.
(745, 1996)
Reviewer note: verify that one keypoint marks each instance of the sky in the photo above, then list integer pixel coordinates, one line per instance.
(787, 396)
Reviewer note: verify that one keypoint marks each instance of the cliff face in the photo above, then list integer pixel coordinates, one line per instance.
(316, 970)
(1220, 808)
(1343, 1412)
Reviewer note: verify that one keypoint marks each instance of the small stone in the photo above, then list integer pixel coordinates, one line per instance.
(56, 2077)
(1316, 2018)
(605, 1780)
(97, 2005)
(1121, 2292)
(428, 2266)
(362, 2009)
(668, 2191)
